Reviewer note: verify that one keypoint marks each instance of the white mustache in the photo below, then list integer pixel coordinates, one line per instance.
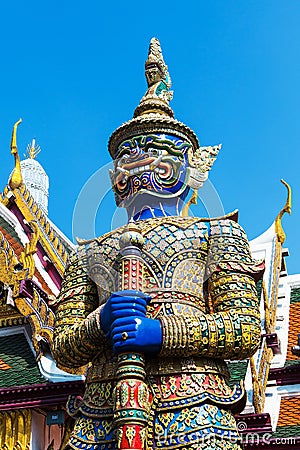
(120, 169)
(152, 166)
(156, 162)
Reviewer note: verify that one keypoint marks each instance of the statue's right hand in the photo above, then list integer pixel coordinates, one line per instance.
(123, 304)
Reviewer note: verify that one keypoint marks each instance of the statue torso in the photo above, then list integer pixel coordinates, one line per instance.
(175, 269)
(176, 266)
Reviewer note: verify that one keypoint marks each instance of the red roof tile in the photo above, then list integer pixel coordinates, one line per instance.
(3, 365)
(294, 330)
(289, 411)
(17, 248)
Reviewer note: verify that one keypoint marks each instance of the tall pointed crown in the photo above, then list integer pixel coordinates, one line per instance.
(153, 114)
(158, 79)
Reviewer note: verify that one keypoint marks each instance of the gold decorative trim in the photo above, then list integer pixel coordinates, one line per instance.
(4, 196)
(40, 317)
(286, 209)
(47, 236)
(16, 179)
(260, 378)
(148, 124)
(268, 314)
(15, 430)
(192, 201)
(26, 257)
(11, 274)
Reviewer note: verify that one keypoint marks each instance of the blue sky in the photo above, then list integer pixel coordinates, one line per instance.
(74, 71)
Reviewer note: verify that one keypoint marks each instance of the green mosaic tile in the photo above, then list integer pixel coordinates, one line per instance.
(295, 295)
(23, 371)
(287, 431)
(292, 362)
(259, 288)
(10, 229)
(237, 370)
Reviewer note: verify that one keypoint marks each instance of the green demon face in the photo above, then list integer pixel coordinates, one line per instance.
(155, 164)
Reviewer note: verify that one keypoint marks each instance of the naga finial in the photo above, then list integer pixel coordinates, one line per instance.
(32, 150)
(286, 209)
(16, 178)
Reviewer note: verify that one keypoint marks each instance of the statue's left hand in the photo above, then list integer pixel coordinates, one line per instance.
(123, 304)
(136, 334)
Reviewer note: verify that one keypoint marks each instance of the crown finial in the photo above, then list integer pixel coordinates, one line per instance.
(155, 68)
(158, 95)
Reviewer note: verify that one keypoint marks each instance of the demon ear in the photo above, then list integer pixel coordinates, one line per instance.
(200, 163)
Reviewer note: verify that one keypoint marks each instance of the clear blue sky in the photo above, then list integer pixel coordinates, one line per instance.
(74, 71)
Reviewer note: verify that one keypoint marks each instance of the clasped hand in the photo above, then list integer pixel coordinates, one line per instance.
(124, 321)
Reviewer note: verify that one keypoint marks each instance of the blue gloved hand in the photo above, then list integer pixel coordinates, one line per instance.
(136, 334)
(123, 304)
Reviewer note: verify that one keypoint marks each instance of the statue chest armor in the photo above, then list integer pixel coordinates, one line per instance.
(174, 257)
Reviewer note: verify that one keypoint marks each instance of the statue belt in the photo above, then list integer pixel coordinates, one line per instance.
(156, 366)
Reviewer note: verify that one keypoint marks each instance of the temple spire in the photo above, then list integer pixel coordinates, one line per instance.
(32, 150)
(35, 177)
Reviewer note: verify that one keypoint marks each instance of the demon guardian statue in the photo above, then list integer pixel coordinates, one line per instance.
(155, 308)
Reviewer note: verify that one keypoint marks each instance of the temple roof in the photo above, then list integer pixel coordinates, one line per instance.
(33, 254)
(22, 368)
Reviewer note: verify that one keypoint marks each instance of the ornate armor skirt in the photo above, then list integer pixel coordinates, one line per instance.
(187, 411)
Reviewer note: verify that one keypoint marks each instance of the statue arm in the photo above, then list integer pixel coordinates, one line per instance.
(231, 329)
(77, 336)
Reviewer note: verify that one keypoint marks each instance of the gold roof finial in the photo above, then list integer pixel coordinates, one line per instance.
(32, 150)
(286, 209)
(16, 178)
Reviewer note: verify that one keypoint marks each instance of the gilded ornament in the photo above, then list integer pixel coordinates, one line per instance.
(16, 179)
(286, 209)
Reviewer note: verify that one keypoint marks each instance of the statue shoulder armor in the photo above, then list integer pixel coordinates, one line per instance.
(228, 249)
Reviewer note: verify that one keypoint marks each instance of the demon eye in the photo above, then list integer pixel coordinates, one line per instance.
(124, 151)
(155, 152)
(123, 159)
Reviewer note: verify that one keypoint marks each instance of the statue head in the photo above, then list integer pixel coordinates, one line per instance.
(157, 159)
(154, 164)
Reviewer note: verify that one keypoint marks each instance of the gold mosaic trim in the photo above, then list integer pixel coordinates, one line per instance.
(15, 430)
(31, 211)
